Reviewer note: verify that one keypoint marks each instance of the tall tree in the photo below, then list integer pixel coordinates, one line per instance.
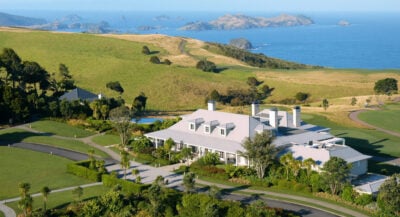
(260, 152)
(77, 193)
(168, 145)
(336, 172)
(325, 104)
(125, 161)
(121, 119)
(45, 193)
(26, 201)
(386, 86)
(12, 62)
(389, 196)
(286, 160)
(139, 103)
(188, 182)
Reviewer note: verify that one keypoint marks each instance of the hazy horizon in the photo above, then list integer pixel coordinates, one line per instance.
(206, 5)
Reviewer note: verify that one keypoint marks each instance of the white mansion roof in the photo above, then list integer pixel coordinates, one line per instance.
(226, 132)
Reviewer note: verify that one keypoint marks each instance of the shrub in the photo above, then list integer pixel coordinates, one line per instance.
(167, 62)
(155, 60)
(145, 50)
(81, 169)
(127, 186)
(363, 199)
(206, 66)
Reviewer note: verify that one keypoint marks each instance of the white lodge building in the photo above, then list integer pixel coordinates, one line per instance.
(221, 132)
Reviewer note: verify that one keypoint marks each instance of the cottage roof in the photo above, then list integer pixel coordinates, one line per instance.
(79, 94)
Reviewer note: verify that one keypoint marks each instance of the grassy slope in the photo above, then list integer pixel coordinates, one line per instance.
(96, 60)
(39, 169)
(60, 129)
(388, 118)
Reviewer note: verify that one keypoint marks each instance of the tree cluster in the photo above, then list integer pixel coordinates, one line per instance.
(238, 97)
(387, 86)
(26, 88)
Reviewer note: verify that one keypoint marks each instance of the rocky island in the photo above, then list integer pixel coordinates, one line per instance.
(239, 21)
(241, 43)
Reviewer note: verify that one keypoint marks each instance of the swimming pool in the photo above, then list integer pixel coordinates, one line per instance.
(146, 120)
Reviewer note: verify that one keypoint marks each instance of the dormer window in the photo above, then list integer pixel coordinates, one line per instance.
(207, 129)
(194, 124)
(225, 129)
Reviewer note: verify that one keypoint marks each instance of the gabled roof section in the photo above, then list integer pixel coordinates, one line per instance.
(239, 126)
(79, 94)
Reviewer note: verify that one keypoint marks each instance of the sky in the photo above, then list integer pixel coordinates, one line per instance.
(204, 5)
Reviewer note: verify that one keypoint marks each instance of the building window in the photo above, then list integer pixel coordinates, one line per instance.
(221, 154)
(207, 129)
(222, 132)
(191, 126)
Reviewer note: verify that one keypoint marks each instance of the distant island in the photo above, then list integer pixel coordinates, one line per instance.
(241, 43)
(15, 20)
(69, 22)
(344, 23)
(239, 21)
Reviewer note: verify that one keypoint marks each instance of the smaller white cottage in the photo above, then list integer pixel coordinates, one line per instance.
(223, 133)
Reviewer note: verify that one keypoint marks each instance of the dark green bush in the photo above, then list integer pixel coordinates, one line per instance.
(127, 186)
(81, 169)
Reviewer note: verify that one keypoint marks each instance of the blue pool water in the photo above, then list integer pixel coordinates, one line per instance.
(146, 120)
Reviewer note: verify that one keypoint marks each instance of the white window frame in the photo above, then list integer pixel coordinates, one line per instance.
(222, 131)
(207, 129)
(192, 126)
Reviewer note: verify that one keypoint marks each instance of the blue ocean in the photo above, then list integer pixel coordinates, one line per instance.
(372, 41)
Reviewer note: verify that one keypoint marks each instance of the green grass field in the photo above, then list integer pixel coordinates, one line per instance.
(38, 169)
(61, 199)
(19, 135)
(60, 129)
(387, 118)
(106, 139)
(94, 60)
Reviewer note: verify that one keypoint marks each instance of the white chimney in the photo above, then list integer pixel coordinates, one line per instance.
(273, 117)
(100, 96)
(296, 116)
(255, 108)
(211, 105)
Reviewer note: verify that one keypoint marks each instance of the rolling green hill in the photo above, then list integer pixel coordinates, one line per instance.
(94, 60)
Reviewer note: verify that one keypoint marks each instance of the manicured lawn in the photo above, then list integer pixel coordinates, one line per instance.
(38, 169)
(18, 135)
(387, 118)
(106, 139)
(2, 214)
(60, 129)
(370, 142)
(61, 199)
